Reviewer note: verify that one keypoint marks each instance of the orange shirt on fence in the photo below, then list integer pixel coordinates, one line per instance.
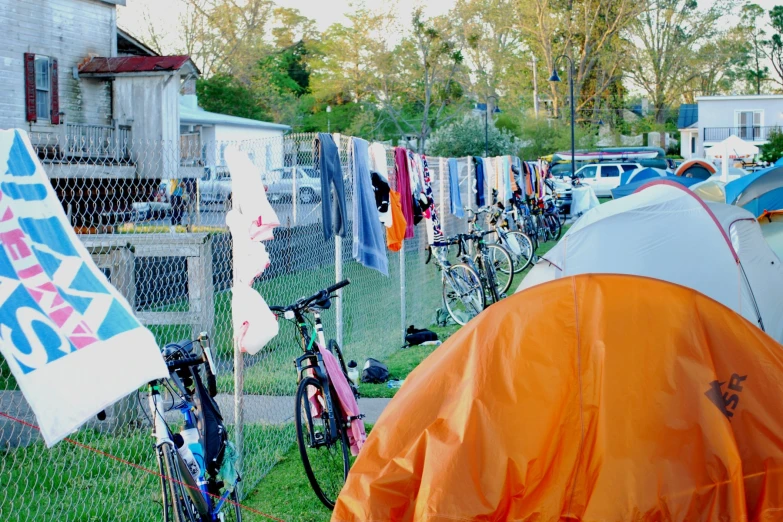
(396, 233)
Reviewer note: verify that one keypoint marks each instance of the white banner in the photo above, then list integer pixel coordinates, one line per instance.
(70, 339)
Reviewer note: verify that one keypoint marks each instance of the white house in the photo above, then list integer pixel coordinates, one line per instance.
(750, 117)
(99, 104)
(207, 134)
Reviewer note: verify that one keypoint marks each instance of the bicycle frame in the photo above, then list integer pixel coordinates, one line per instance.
(196, 489)
(312, 361)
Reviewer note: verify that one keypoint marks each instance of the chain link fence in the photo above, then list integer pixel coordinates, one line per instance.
(153, 217)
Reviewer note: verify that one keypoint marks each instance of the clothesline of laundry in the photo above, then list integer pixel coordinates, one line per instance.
(399, 195)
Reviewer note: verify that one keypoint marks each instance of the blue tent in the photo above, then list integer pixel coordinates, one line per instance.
(757, 192)
(779, 162)
(630, 188)
(644, 173)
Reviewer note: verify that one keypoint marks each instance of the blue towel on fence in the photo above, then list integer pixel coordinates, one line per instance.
(327, 161)
(454, 194)
(369, 243)
(479, 188)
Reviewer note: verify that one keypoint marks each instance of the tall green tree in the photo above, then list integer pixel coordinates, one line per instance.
(776, 43)
(588, 31)
(752, 31)
(666, 35)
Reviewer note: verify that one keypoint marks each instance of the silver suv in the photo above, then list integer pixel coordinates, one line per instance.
(280, 184)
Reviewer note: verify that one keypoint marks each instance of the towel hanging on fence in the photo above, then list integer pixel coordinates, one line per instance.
(478, 188)
(454, 195)
(404, 188)
(327, 161)
(434, 230)
(369, 246)
(507, 190)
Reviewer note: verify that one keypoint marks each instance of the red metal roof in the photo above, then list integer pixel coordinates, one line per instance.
(131, 64)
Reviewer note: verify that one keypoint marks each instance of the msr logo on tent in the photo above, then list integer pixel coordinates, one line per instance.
(726, 402)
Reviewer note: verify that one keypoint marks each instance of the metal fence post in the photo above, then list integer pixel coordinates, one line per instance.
(239, 410)
(442, 188)
(338, 276)
(471, 195)
(403, 319)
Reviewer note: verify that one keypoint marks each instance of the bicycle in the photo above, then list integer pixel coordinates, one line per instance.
(488, 261)
(198, 478)
(321, 424)
(463, 295)
(518, 245)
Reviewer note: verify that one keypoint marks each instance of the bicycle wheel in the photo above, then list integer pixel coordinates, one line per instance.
(463, 295)
(520, 246)
(561, 215)
(178, 505)
(333, 347)
(553, 223)
(325, 458)
(502, 265)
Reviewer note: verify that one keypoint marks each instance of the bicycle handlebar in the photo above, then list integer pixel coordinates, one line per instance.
(304, 302)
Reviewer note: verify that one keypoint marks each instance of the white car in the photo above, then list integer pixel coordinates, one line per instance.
(280, 184)
(603, 177)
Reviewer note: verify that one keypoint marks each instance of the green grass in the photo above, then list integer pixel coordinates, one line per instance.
(71, 483)
(403, 362)
(285, 493)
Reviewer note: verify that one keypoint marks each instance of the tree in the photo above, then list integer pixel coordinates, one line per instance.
(776, 43)
(495, 55)
(417, 82)
(719, 64)
(228, 36)
(589, 31)
(666, 35)
(772, 151)
(465, 137)
(751, 30)
(226, 95)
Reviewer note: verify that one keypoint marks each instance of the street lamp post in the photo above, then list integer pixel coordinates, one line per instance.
(486, 126)
(328, 119)
(556, 78)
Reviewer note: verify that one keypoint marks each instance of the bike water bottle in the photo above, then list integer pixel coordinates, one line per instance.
(353, 373)
(187, 455)
(191, 438)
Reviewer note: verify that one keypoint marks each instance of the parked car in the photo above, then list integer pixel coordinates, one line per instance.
(603, 177)
(280, 184)
(215, 185)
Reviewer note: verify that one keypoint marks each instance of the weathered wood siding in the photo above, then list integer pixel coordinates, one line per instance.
(68, 30)
(152, 104)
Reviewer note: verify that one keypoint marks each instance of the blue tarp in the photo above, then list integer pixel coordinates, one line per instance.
(630, 188)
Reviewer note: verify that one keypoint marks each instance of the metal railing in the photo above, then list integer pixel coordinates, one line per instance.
(146, 245)
(752, 133)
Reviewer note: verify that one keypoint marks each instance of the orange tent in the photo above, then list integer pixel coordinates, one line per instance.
(590, 398)
(696, 168)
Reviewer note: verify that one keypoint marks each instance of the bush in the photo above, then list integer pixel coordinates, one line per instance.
(466, 138)
(541, 137)
(773, 150)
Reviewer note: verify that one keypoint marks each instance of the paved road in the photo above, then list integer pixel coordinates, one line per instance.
(214, 214)
(259, 409)
(279, 410)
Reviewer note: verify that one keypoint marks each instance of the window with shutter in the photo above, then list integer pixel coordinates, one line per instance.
(43, 87)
